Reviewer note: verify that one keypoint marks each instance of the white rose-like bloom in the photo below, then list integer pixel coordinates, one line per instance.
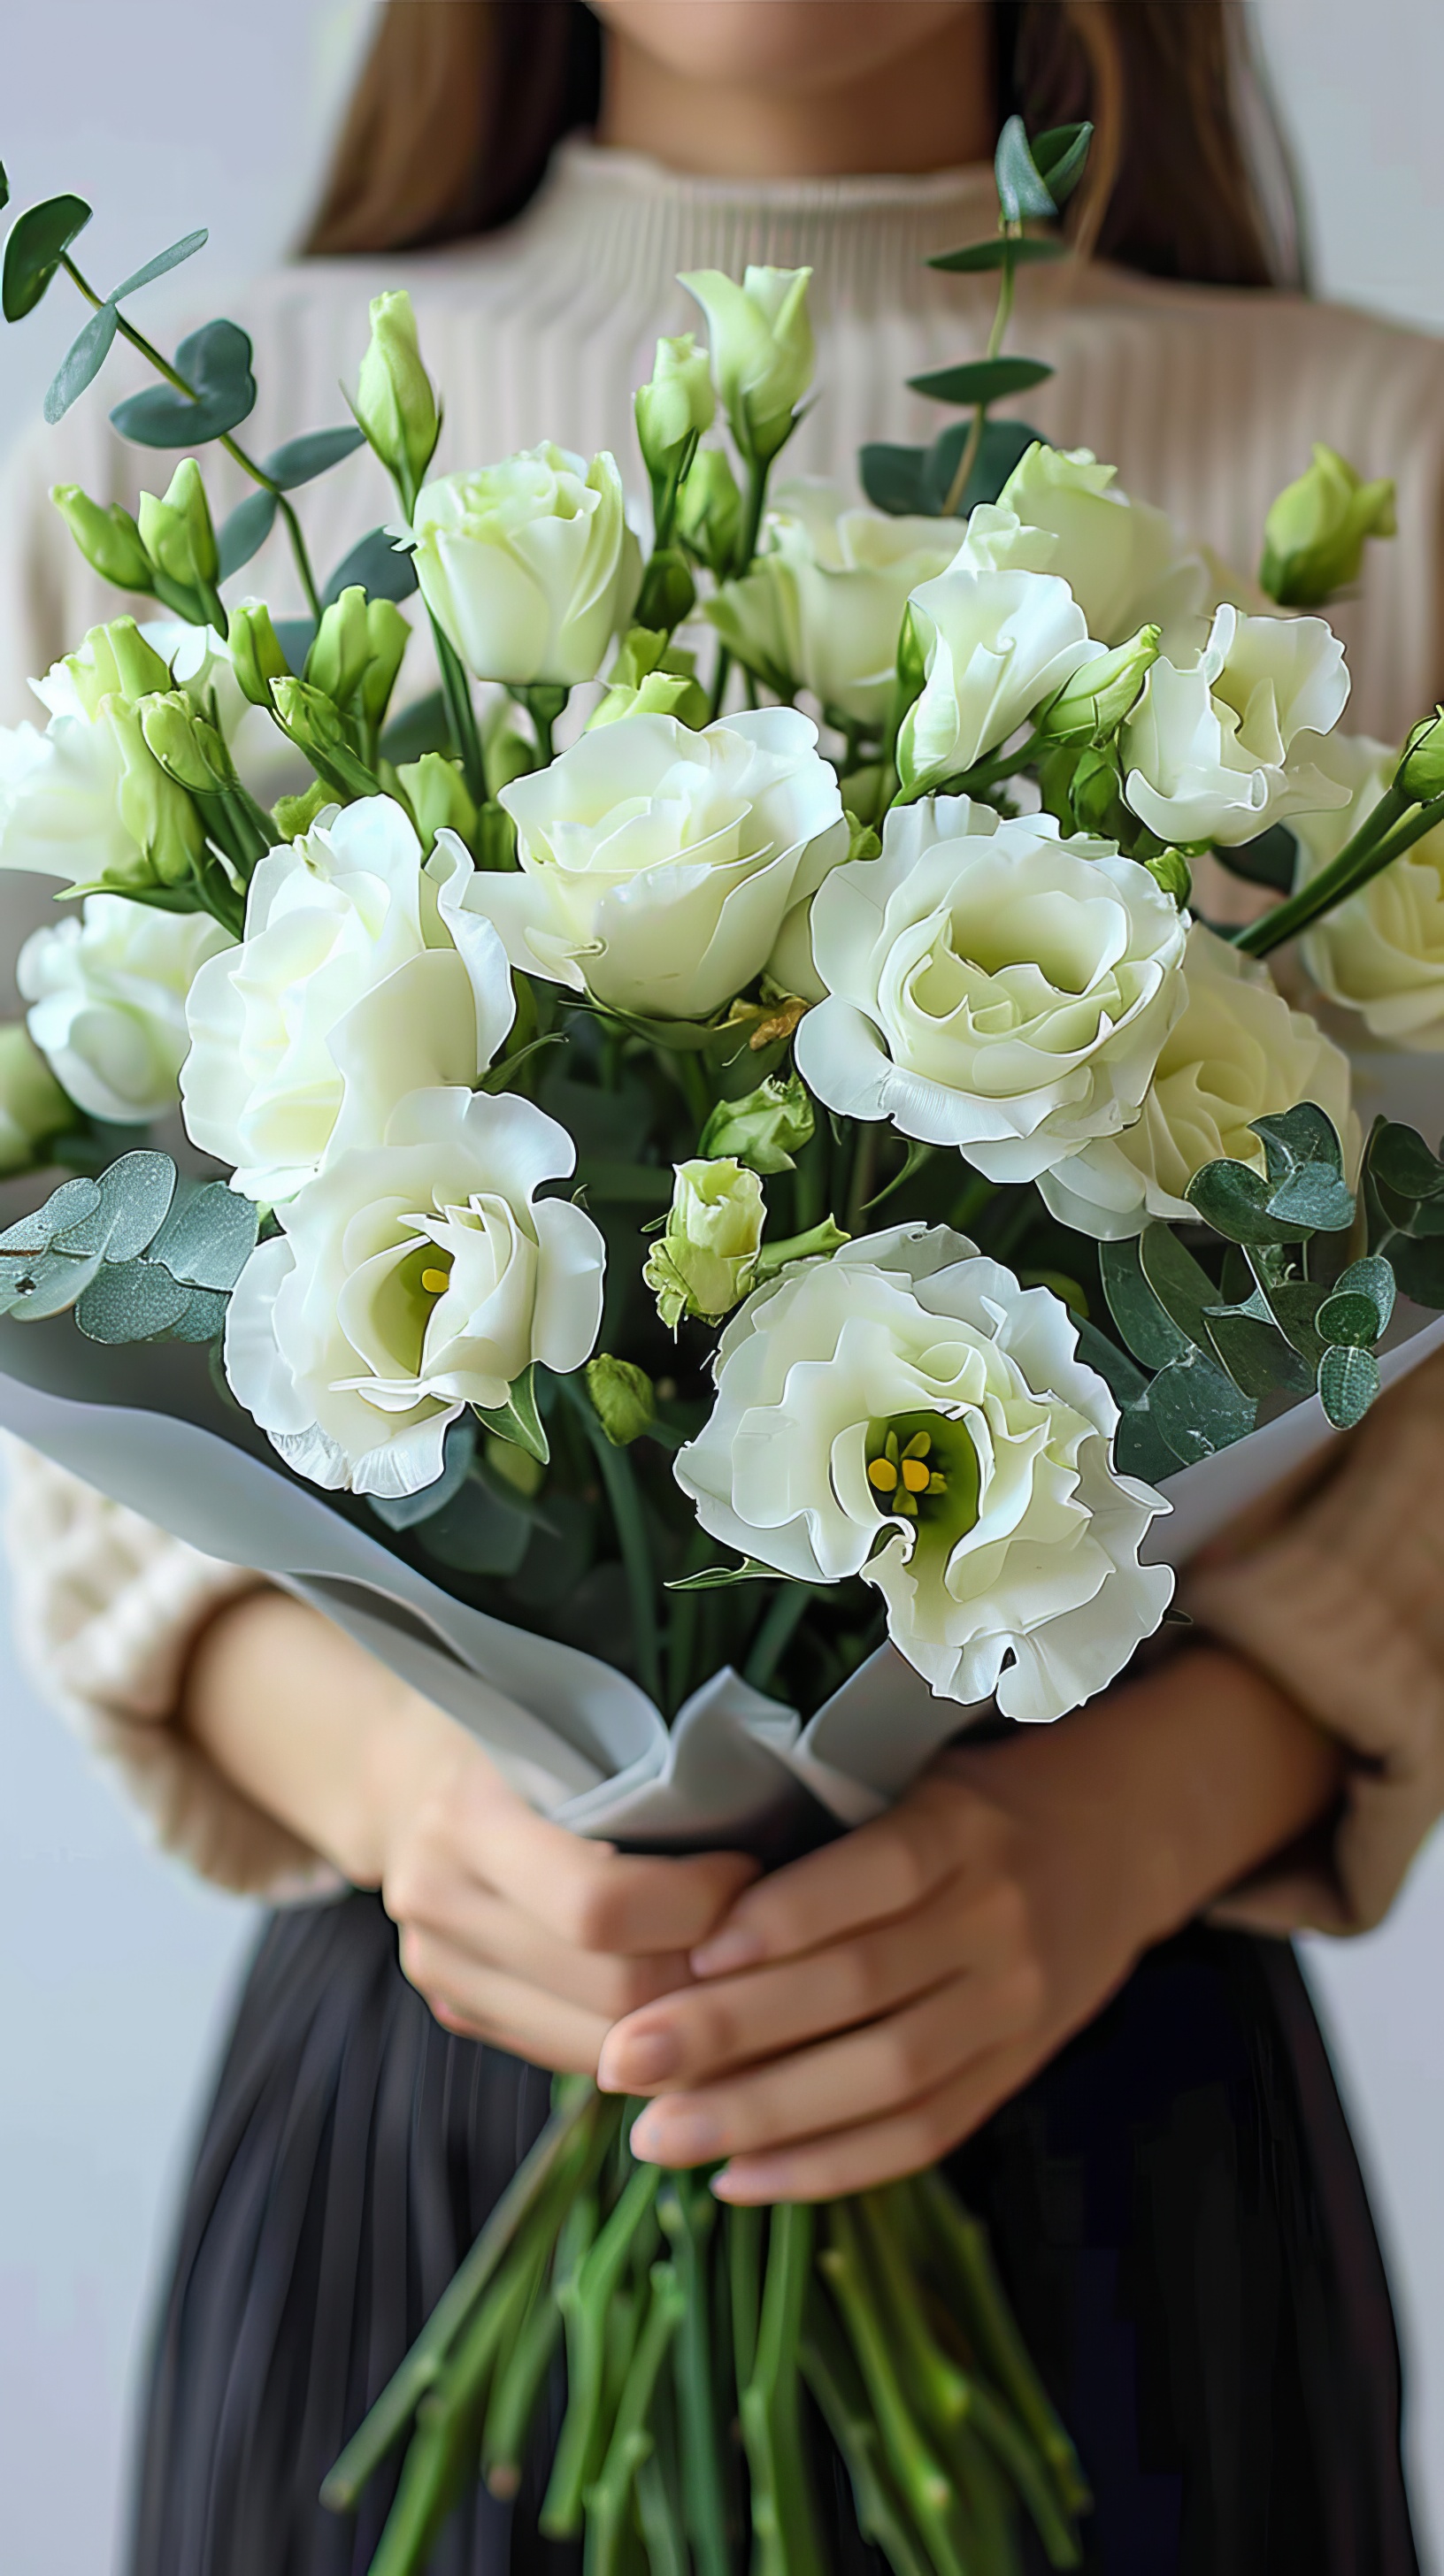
(1381, 953)
(412, 1279)
(529, 567)
(991, 986)
(1220, 749)
(995, 643)
(360, 978)
(824, 602)
(1123, 560)
(657, 864)
(908, 1360)
(108, 993)
(1237, 1053)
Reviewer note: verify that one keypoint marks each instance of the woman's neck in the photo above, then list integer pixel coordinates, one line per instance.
(930, 108)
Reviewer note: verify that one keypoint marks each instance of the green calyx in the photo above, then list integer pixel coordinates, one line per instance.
(923, 1467)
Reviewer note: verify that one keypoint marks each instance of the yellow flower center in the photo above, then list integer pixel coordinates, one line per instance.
(437, 1281)
(925, 1468)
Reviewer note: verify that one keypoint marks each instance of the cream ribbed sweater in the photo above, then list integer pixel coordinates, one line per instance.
(1206, 401)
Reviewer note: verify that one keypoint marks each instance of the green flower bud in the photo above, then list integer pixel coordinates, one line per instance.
(313, 724)
(1170, 869)
(341, 648)
(668, 593)
(108, 539)
(177, 533)
(293, 816)
(115, 661)
(157, 813)
(32, 1104)
(436, 793)
(705, 1260)
(256, 655)
(762, 351)
(394, 401)
(662, 693)
(1315, 533)
(817, 1244)
(764, 1129)
(676, 406)
(624, 1398)
(387, 634)
(189, 750)
(1101, 694)
(709, 511)
(1420, 774)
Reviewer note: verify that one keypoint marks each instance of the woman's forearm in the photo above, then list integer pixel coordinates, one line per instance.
(311, 1727)
(1203, 1766)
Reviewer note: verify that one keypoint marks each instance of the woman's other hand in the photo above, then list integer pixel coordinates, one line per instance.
(860, 2012)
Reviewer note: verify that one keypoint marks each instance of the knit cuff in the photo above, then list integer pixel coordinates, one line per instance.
(107, 1609)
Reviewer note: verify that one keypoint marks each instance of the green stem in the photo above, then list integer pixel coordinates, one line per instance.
(688, 2214)
(382, 2430)
(631, 2443)
(625, 1504)
(783, 2520)
(442, 2444)
(247, 464)
(931, 2494)
(1393, 827)
(656, 2512)
(460, 714)
(719, 683)
(743, 2231)
(1002, 315)
(584, 2300)
(514, 2395)
(831, 2375)
(785, 1614)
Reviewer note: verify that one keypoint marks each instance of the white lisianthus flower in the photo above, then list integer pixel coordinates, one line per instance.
(657, 864)
(1222, 747)
(1237, 1053)
(360, 978)
(991, 986)
(1380, 954)
(108, 993)
(529, 567)
(994, 643)
(906, 1412)
(824, 603)
(413, 1278)
(1123, 560)
(32, 1104)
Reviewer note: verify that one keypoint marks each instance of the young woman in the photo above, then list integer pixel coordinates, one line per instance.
(1011, 1965)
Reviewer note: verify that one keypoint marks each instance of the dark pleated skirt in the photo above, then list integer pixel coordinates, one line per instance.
(1175, 2206)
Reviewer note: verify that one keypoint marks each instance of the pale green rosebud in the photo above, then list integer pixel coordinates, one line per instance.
(762, 351)
(623, 1396)
(764, 1129)
(387, 634)
(394, 402)
(108, 539)
(668, 593)
(705, 1260)
(189, 750)
(115, 661)
(709, 511)
(177, 533)
(311, 720)
(676, 406)
(293, 816)
(341, 648)
(157, 813)
(437, 795)
(32, 1104)
(1101, 694)
(1315, 533)
(1420, 774)
(256, 655)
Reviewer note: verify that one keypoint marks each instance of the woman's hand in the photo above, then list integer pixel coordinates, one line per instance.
(860, 2012)
(514, 1930)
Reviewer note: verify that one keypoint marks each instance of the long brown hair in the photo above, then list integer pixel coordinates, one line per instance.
(460, 103)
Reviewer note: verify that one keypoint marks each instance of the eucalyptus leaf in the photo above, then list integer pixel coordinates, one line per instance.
(1139, 1447)
(162, 264)
(1348, 1384)
(1349, 1320)
(300, 460)
(207, 1237)
(66, 1206)
(1183, 1288)
(244, 531)
(417, 729)
(82, 362)
(981, 380)
(1295, 1304)
(1234, 1200)
(1399, 1157)
(216, 361)
(1305, 1162)
(131, 1301)
(37, 245)
(295, 635)
(375, 566)
(204, 1318)
(1373, 1277)
(1419, 1269)
(1124, 1379)
(1022, 190)
(134, 1196)
(1001, 250)
(914, 482)
(1256, 1356)
(1059, 157)
(4, 189)
(1197, 1409)
(1272, 860)
(45, 1283)
(1145, 1326)
(518, 1419)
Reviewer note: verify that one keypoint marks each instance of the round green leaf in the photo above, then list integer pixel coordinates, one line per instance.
(131, 1301)
(35, 250)
(1348, 1320)
(1348, 1384)
(216, 362)
(1001, 250)
(1399, 1157)
(376, 566)
(981, 380)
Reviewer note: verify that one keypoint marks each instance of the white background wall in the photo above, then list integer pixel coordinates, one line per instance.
(115, 1969)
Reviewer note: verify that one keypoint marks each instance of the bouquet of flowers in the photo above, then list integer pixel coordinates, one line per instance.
(724, 1170)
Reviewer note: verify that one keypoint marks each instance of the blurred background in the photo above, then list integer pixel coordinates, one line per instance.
(115, 1968)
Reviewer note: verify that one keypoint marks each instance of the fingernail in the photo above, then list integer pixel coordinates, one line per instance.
(675, 2133)
(749, 2183)
(642, 2057)
(734, 1948)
